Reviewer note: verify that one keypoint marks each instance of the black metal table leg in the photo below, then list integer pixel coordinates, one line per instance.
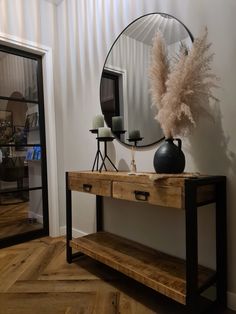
(191, 246)
(69, 256)
(99, 212)
(221, 242)
(68, 222)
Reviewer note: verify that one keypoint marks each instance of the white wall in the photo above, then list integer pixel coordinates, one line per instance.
(32, 20)
(87, 30)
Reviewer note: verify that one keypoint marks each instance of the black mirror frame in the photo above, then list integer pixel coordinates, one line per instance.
(192, 39)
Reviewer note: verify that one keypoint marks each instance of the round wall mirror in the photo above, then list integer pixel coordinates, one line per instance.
(124, 88)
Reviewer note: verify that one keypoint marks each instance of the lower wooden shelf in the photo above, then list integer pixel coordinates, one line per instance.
(157, 270)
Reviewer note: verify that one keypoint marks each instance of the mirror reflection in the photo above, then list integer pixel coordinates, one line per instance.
(124, 89)
(21, 175)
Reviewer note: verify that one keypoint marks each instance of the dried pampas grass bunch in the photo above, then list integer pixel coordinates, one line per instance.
(159, 70)
(182, 92)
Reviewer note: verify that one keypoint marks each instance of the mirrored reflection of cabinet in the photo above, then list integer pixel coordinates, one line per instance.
(23, 173)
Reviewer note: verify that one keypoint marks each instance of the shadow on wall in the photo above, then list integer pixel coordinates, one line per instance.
(209, 146)
(123, 166)
(210, 151)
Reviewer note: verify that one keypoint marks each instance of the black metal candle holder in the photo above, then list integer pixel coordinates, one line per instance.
(135, 140)
(105, 140)
(118, 133)
(98, 153)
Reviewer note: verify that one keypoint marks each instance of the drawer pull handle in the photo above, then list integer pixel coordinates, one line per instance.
(141, 195)
(87, 187)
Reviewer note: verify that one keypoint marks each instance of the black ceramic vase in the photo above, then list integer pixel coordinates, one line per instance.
(169, 157)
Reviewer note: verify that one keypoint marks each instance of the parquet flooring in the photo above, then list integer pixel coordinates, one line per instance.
(14, 220)
(35, 278)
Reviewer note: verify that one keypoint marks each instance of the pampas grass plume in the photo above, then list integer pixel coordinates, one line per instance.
(159, 69)
(182, 98)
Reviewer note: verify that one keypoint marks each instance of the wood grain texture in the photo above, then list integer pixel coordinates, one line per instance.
(90, 185)
(167, 191)
(47, 284)
(123, 176)
(159, 271)
(169, 196)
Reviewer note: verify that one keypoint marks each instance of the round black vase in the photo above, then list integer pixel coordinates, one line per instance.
(169, 157)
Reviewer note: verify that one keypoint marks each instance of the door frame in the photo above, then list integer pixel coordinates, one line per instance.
(50, 123)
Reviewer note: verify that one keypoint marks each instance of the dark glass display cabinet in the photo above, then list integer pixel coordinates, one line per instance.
(23, 168)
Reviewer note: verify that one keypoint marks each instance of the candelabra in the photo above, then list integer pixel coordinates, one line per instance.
(99, 154)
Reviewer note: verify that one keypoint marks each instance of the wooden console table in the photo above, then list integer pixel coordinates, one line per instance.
(180, 280)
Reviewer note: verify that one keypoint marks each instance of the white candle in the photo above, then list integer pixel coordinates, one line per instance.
(98, 121)
(117, 123)
(134, 134)
(104, 132)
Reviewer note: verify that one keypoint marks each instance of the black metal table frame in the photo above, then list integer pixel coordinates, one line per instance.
(191, 237)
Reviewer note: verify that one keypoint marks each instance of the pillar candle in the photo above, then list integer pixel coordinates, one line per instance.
(117, 123)
(98, 121)
(134, 134)
(104, 132)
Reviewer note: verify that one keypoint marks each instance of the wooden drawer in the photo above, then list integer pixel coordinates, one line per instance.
(89, 185)
(153, 194)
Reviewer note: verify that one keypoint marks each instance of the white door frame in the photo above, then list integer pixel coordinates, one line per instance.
(50, 126)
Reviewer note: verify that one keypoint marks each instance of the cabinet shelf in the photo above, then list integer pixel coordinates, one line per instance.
(159, 271)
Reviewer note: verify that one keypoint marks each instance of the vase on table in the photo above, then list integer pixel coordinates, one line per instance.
(169, 158)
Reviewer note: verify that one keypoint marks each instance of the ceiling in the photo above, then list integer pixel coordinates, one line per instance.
(146, 27)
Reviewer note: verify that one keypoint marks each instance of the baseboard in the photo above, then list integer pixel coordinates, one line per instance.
(231, 300)
(76, 233)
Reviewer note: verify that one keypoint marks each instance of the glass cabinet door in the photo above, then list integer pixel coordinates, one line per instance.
(23, 172)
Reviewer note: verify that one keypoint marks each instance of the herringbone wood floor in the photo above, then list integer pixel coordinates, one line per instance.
(35, 278)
